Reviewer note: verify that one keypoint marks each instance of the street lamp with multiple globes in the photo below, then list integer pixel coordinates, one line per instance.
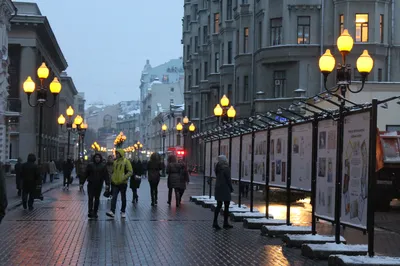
(343, 71)
(185, 128)
(69, 125)
(223, 110)
(80, 127)
(29, 87)
(164, 129)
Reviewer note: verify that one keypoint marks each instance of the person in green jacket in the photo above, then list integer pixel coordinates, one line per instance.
(122, 170)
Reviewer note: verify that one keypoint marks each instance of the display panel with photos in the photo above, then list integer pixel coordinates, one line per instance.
(356, 137)
(260, 157)
(326, 169)
(246, 157)
(214, 161)
(225, 148)
(278, 157)
(235, 158)
(207, 159)
(301, 156)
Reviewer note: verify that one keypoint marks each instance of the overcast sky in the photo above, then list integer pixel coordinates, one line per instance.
(106, 43)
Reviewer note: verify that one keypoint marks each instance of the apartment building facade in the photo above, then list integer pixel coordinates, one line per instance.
(263, 54)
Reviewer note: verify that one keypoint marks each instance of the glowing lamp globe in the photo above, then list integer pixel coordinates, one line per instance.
(43, 72)
(78, 120)
(231, 112)
(218, 110)
(365, 63)
(327, 62)
(185, 120)
(224, 101)
(74, 126)
(29, 85)
(192, 128)
(345, 42)
(61, 120)
(70, 111)
(55, 86)
(164, 127)
(179, 127)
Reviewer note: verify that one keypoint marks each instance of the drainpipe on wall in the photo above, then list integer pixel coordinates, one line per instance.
(389, 61)
(321, 87)
(253, 92)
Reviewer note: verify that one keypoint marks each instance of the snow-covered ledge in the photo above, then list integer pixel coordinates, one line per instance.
(257, 223)
(195, 198)
(362, 260)
(298, 240)
(239, 209)
(323, 251)
(231, 205)
(281, 230)
(240, 216)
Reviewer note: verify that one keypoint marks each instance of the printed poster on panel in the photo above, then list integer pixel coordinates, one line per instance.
(326, 169)
(214, 150)
(207, 159)
(225, 148)
(278, 157)
(355, 169)
(235, 158)
(301, 156)
(246, 157)
(260, 157)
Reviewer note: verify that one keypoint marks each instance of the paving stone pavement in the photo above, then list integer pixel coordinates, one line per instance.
(58, 232)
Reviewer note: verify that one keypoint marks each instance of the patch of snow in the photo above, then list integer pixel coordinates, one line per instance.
(288, 228)
(378, 260)
(202, 197)
(311, 237)
(250, 214)
(265, 220)
(241, 209)
(337, 247)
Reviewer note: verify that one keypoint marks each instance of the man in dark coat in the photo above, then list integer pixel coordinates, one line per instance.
(3, 195)
(223, 190)
(137, 169)
(18, 178)
(96, 174)
(67, 171)
(31, 177)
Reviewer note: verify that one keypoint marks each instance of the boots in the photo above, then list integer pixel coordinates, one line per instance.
(226, 218)
(177, 198)
(215, 223)
(169, 196)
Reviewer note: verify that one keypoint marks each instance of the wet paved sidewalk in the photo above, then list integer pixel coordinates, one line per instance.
(58, 232)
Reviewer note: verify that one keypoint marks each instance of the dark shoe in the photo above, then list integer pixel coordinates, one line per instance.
(24, 205)
(137, 198)
(152, 204)
(169, 203)
(216, 226)
(31, 208)
(133, 201)
(90, 215)
(19, 193)
(156, 202)
(95, 216)
(228, 226)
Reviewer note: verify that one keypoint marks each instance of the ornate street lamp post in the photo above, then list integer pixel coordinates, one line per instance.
(62, 120)
(41, 97)
(164, 129)
(185, 128)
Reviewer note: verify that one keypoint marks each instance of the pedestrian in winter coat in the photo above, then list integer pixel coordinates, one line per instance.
(67, 171)
(18, 178)
(30, 179)
(3, 194)
(96, 174)
(154, 166)
(52, 170)
(186, 177)
(176, 179)
(44, 170)
(137, 169)
(122, 170)
(144, 166)
(223, 190)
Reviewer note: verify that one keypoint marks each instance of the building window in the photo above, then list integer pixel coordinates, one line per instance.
(361, 27)
(237, 93)
(223, 53)
(205, 70)
(229, 10)
(341, 23)
(205, 34)
(188, 22)
(230, 94)
(229, 52)
(381, 18)
(279, 84)
(392, 127)
(303, 30)
(216, 22)
(196, 109)
(188, 52)
(196, 44)
(237, 41)
(197, 77)
(245, 40)
(172, 89)
(190, 81)
(379, 74)
(246, 88)
(171, 101)
(259, 34)
(276, 31)
(216, 63)
(205, 4)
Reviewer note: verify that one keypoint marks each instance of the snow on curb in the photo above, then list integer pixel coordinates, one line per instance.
(281, 230)
(323, 251)
(362, 260)
(294, 240)
(252, 223)
(240, 216)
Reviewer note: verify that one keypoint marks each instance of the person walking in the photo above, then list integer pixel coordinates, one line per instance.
(122, 170)
(154, 166)
(144, 167)
(18, 178)
(67, 171)
(176, 179)
(44, 169)
(136, 179)
(3, 194)
(96, 174)
(52, 170)
(223, 190)
(109, 165)
(186, 179)
(31, 177)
